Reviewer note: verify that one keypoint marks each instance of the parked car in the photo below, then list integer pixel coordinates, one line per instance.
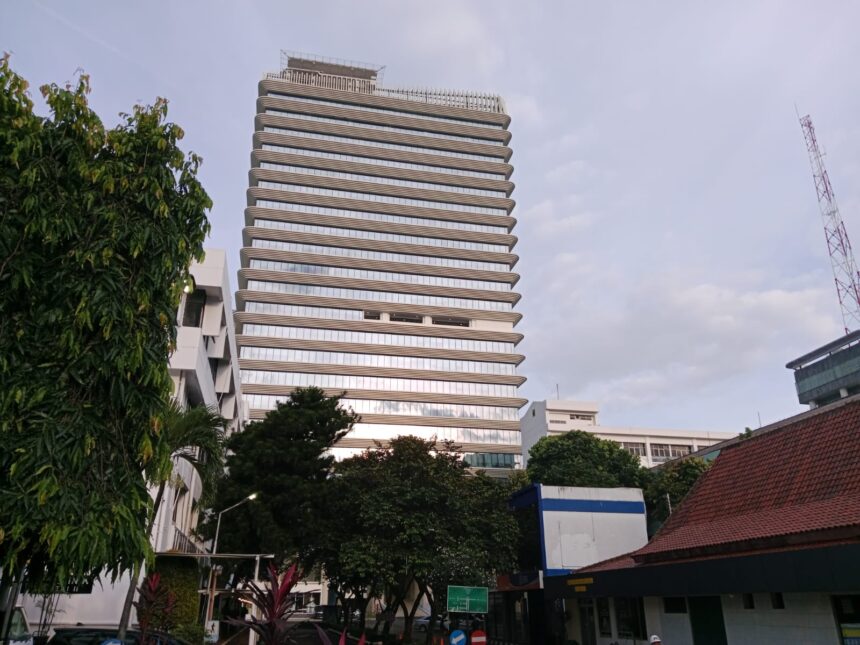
(82, 635)
(19, 628)
(423, 622)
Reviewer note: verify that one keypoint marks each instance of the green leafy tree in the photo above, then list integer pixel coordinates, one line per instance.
(196, 436)
(98, 227)
(411, 515)
(283, 458)
(579, 458)
(670, 484)
(480, 543)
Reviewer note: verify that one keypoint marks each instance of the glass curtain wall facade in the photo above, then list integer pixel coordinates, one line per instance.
(378, 258)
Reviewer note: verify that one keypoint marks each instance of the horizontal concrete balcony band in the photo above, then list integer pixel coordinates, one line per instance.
(495, 448)
(247, 254)
(276, 85)
(279, 138)
(250, 233)
(255, 193)
(383, 350)
(384, 286)
(372, 188)
(388, 395)
(356, 166)
(290, 208)
(243, 295)
(393, 372)
(343, 111)
(422, 421)
(443, 331)
(500, 153)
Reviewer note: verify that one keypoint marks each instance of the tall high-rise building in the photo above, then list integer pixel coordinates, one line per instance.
(378, 257)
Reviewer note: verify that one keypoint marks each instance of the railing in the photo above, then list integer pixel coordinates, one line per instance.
(184, 544)
(451, 98)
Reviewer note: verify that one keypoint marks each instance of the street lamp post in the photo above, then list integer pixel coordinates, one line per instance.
(210, 605)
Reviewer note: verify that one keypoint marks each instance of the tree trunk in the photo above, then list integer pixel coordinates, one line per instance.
(396, 601)
(409, 617)
(362, 617)
(9, 587)
(431, 624)
(129, 597)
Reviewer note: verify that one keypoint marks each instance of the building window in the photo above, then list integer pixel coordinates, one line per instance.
(491, 460)
(634, 448)
(663, 451)
(450, 321)
(604, 623)
(777, 601)
(195, 303)
(582, 417)
(406, 318)
(675, 605)
(749, 601)
(562, 421)
(372, 315)
(630, 618)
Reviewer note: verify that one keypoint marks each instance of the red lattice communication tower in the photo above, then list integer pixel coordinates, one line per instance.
(838, 245)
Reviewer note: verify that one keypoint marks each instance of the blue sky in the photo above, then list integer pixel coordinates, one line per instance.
(672, 255)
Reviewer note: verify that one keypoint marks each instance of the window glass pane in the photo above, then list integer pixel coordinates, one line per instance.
(373, 338)
(381, 217)
(261, 377)
(400, 408)
(376, 179)
(367, 108)
(364, 274)
(377, 235)
(379, 296)
(377, 255)
(383, 128)
(381, 144)
(384, 199)
(374, 360)
(325, 154)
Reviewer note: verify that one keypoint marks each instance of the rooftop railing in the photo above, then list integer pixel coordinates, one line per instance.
(451, 98)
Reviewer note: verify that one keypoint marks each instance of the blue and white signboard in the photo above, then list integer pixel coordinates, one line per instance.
(458, 637)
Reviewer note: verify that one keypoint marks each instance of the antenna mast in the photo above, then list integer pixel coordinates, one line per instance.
(841, 256)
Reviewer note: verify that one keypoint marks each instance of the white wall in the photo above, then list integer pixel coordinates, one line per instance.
(575, 539)
(545, 418)
(807, 619)
(532, 427)
(102, 607)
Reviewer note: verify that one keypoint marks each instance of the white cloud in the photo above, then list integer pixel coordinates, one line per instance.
(552, 217)
(451, 31)
(524, 110)
(652, 339)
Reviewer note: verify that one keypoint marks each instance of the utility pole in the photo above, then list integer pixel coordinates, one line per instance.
(838, 245)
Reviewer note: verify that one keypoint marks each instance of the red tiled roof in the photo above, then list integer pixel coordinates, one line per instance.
(782, 486)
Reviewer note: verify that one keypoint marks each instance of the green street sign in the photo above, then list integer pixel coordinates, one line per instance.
(467, 600)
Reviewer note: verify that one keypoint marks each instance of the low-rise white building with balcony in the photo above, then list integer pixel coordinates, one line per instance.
(652, 446)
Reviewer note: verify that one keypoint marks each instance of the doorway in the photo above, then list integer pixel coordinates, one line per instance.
(706, 620)
(587, 622)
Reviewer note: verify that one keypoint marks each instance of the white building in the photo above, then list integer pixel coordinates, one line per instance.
(204, 372)
(652, 446)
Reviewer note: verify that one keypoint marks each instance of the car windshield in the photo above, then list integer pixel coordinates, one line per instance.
(18, 625)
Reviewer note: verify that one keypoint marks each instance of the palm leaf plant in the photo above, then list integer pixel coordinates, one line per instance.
(196, 436)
